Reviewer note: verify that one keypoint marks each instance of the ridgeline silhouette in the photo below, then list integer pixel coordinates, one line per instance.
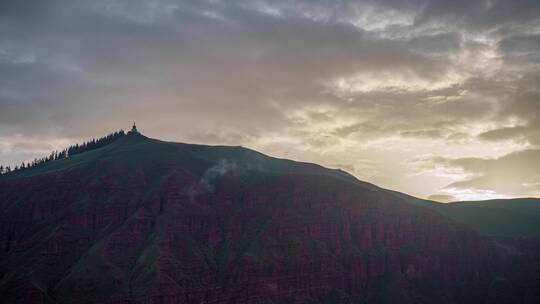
(68, 152)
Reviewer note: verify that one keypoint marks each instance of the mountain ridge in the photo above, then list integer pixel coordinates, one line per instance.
(471, 213)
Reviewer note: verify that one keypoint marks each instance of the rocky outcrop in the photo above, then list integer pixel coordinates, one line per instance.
(161, 235)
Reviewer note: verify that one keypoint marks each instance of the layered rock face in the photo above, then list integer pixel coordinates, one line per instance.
(160, 234)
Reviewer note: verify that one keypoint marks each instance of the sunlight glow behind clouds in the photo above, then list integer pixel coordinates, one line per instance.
(378, 88)
(393, 82)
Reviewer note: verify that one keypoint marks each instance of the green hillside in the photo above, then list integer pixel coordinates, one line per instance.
(503, 217)
(507, 218)
(510, 217)
(137, 150)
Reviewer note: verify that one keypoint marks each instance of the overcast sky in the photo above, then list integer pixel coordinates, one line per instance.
(437, 99)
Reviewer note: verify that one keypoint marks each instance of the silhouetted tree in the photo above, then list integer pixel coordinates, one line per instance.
(70, 151)
(94, 143)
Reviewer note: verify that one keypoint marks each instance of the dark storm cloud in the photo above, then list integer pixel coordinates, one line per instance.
(508, 133)
(429, 133)
(520, 45)
(523, 106)
(311, 73)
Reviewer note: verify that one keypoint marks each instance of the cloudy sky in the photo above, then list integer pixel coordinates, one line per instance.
(436, 99)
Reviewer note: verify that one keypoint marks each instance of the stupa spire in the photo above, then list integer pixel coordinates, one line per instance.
(134, 129)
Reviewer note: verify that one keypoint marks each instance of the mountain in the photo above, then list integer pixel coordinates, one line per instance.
(146, 221)
(499, 218)
(505, 218)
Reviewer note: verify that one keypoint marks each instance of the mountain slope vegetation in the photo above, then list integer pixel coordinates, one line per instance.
(146, 221)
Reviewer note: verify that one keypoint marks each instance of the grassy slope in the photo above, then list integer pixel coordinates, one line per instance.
(517, 217)
(504, 218)
(511, 218)
(140, 150)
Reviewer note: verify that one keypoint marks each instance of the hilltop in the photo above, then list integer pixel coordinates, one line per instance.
(504, 217)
